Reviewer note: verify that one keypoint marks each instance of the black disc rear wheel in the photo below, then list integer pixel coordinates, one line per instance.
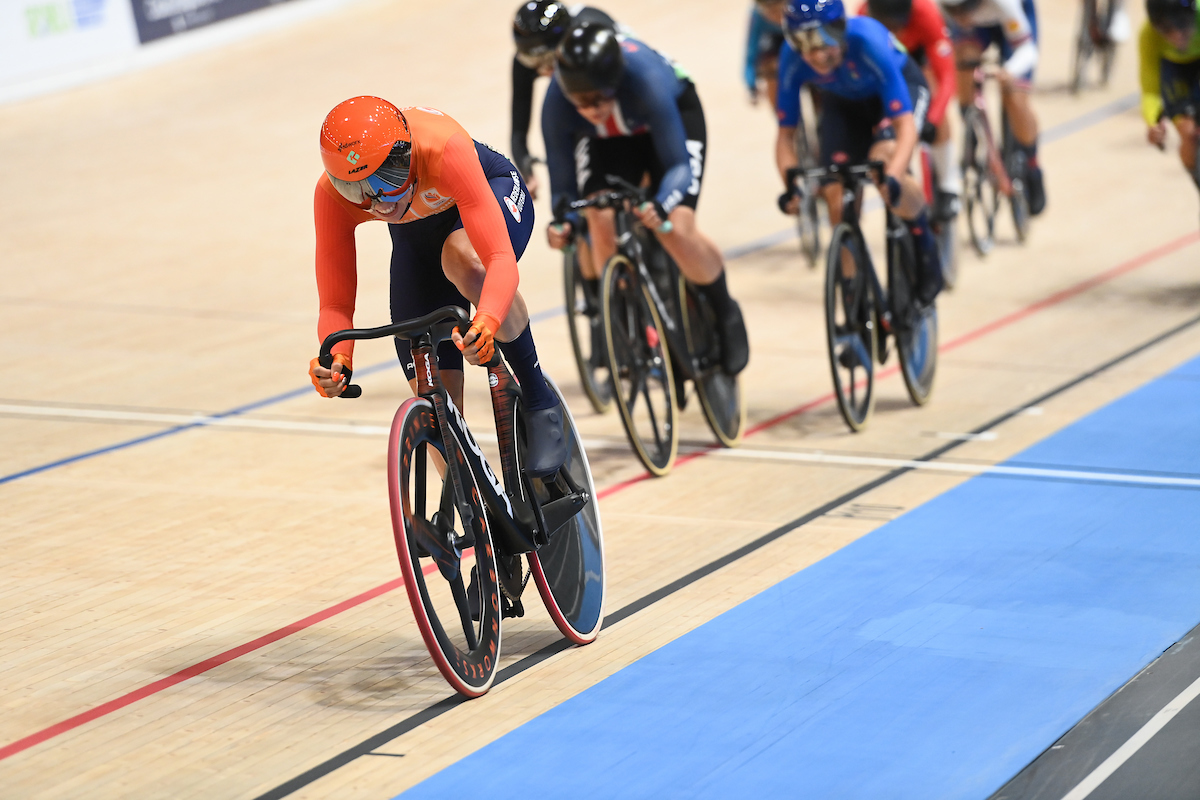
(720, 393)
(569, 570)
(643, 385)
(914, 325)
(851, 327)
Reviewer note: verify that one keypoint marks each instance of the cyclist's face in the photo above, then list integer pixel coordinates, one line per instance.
(823, 59)
(1179, 38)
(595, 107)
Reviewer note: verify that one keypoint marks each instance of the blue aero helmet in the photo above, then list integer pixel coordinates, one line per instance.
(809, 24)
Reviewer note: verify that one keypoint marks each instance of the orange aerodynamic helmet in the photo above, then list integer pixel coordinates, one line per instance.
(367, 150)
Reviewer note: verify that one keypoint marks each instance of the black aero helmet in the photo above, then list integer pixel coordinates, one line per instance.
(589, 59)
(959, 7)
(897, 11)
(539, 26)
(1171, 14)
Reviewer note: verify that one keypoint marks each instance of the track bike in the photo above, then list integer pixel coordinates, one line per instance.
(659, 332)
(451, 512)
(991, 174)
(860, 314)
(1092, 41)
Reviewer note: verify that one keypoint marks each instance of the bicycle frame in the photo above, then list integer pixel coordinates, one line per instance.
(521, 525)
(978, 110)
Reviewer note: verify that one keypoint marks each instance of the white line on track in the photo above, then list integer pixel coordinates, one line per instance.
(1111, 764)
(961, 467)
(801, 457)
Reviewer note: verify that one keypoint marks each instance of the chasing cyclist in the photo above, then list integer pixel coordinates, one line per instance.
(1169, 46)
(919, 26)
(619, 108)
(975, 25)
(538, 27)
(874, 100)
(459, 218)
(763, 43)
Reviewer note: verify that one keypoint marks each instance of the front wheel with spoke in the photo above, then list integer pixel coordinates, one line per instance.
(914, 325)
(449, 566)
(587, 332)
(720, 393)
(980, 196)
(569, 570)
(851, 327)
(643, 385)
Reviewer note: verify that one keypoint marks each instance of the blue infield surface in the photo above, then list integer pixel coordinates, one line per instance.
(933, 658)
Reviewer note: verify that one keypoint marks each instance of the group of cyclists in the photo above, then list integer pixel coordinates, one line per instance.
(460, 214)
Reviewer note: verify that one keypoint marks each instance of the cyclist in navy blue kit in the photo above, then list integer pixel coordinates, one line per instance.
(874, 103)
(617, 107)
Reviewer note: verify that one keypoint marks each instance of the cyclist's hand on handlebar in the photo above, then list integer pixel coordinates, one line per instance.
(653, 216)
(479, 345)
(789, 203)
(531, 183)
(330, 382)
(559, 234)
(1157, 134)
(891, 190)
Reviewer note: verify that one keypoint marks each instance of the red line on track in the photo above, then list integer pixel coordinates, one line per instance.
(222, 658)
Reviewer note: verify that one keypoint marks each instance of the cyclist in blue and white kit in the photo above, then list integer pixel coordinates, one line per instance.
(975, 25)
(874, 100)
(616, 107)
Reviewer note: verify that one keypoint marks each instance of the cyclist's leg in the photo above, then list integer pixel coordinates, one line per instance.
(595, 160)
(1180, 86)
(462, 265)
(945, 162)
(844, 137)
(698, 258)
(910, 206)
(1015, 94)
(418, 287)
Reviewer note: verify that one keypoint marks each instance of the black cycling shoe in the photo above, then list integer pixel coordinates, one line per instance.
(547, 446)
(735, 346)
(1035, 190)
(945, 206)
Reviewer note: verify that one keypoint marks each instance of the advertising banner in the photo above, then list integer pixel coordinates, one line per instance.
(159, 18)
(43, 38)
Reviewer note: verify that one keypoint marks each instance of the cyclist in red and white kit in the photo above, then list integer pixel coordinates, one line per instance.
(919, 26)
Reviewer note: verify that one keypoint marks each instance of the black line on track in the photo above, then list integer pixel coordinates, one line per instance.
(533, 659)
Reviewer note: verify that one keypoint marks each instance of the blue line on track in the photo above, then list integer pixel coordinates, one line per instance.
(1050, 134)
(932, 658)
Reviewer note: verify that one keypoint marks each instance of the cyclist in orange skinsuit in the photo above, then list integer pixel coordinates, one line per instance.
(459, 219)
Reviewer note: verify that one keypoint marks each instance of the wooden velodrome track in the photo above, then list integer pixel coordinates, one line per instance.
(219, 600)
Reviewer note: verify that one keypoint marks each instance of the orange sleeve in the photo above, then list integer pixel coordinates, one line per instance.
(484, 222)
(337, 270)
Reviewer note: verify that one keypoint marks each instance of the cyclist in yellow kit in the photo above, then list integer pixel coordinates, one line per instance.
(1169, 47)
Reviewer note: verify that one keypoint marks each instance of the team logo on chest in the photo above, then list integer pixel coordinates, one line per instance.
(433, 199)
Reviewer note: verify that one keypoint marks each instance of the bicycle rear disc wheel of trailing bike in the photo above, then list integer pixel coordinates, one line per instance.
(569, 569)
(720, 393)
(643, 384)
(851, 327)
(980, 196)
(586, 327)
(914, 326)
(427, 522)
(1018, 172)
(1084, 47)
